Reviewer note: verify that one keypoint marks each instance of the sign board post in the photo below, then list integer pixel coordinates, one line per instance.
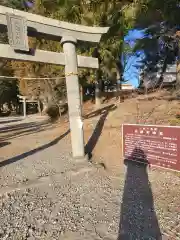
(152, 144)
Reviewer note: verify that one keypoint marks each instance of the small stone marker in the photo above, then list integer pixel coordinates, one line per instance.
(156, 145)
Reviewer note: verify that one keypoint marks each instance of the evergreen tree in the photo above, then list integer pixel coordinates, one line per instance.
(163, 19)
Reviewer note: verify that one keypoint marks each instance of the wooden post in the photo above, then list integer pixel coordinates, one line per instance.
(73, 94)
(24, 107)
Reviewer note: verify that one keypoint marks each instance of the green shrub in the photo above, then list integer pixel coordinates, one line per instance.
(53, 112)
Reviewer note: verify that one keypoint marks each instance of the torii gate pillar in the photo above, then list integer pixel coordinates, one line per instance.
(73, 93)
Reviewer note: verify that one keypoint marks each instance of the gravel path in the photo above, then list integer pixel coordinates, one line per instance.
(86, 203)
(47, 195)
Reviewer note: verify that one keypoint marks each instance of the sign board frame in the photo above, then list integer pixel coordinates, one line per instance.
(150, 126)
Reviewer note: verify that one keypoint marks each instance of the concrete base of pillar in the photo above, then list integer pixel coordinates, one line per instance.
(82, 159)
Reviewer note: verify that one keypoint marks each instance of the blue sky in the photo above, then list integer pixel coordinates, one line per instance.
(132, 62)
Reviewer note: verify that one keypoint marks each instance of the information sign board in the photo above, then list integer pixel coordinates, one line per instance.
(156, 145)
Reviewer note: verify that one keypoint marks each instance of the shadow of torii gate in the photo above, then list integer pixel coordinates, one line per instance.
(21, 24)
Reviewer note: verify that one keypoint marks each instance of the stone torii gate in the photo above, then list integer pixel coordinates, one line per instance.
(21, 24)
(24, 100)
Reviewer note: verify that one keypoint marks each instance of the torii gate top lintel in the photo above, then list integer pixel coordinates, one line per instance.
(54, 28)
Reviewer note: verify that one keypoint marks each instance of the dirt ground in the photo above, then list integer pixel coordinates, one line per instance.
(155, 109)
(102, 127)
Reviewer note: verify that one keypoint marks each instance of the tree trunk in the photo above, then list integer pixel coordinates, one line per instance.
(98, 94)
(45, 106)
(178, 76)
(60, 110)
(98, 89)
(178, 69)
(119, 78)
(118, 88)
(39, 107)
(81, 94)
